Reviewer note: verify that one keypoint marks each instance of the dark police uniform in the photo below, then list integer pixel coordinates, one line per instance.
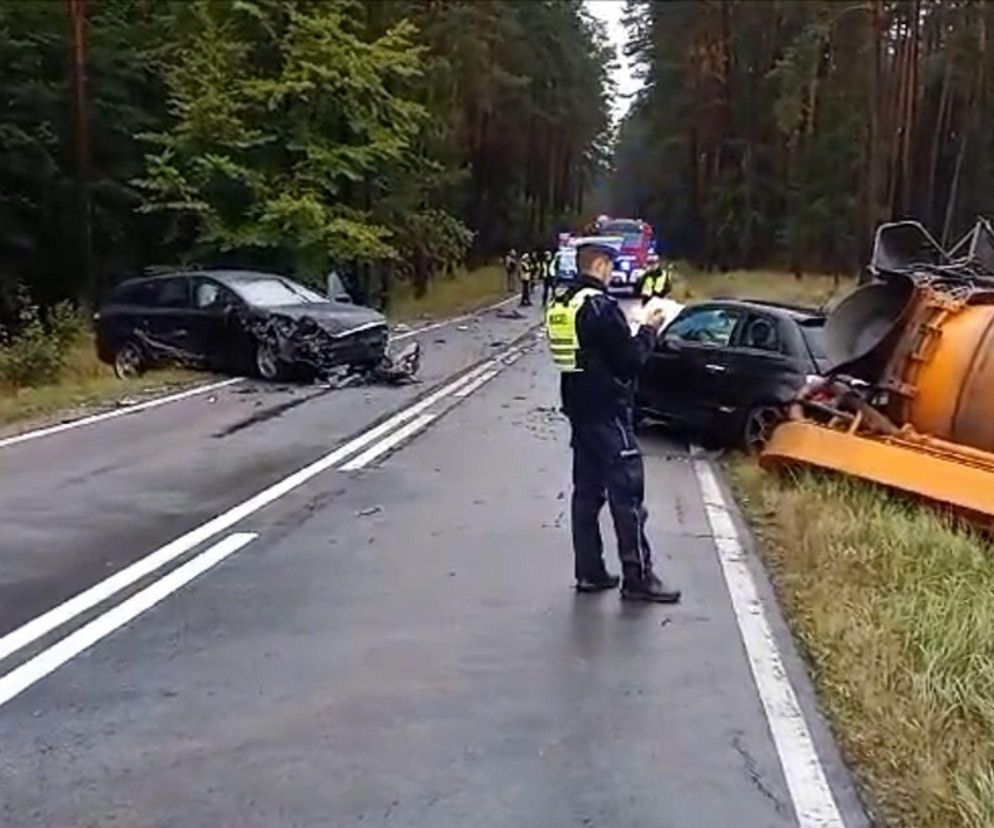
(599, 360)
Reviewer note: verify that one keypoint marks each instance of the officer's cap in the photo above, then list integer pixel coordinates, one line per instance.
(608, 245)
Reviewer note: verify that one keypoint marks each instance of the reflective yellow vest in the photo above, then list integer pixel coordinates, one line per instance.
(656, 282)
(560, 327)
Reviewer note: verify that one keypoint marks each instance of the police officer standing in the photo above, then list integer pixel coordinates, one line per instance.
(599, 359)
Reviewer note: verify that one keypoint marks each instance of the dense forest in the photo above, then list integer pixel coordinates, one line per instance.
(784, 132)
(390, 139)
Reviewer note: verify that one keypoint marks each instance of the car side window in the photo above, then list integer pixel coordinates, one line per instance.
(209, 295)
(138, 293)
(705, 326)
(761, 333)
(172, 293)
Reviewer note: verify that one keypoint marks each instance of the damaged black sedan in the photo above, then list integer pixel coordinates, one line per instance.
(243, 322)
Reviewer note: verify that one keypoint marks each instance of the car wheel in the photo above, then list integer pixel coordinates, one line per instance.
(267, 362)
(758, 426)
(129, 361)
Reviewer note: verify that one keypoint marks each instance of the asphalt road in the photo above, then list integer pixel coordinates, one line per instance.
(358, 612)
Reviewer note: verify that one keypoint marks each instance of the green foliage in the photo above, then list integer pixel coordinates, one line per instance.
(783, 133)
(35, 352)
(395, 137)
(265, 153)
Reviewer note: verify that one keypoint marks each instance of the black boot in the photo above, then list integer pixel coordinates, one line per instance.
(650, 589)
(598, 584)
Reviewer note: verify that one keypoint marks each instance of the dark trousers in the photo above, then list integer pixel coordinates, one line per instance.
(526, 291)
(548, 284)
(607, 466)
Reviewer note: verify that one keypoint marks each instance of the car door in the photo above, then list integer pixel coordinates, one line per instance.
(759, 366)
(167, 318)
(683, 377)
(216, 331)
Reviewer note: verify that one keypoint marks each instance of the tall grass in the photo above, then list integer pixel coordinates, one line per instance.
(81, 381)
(466, 290)
(894, 605)
(814, 290)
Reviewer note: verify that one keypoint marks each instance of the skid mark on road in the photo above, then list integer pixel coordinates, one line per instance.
(270, 413)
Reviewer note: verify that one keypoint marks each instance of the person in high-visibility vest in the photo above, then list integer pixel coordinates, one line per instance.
(527, 266)
(657, 282)
(599, 359)
(549, 267)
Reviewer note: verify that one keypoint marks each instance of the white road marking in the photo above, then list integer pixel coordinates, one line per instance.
(394, 438)
(83, 601)
(117, 412)
(469, 388)
(436, 325)
(50, 659)
(814, 804)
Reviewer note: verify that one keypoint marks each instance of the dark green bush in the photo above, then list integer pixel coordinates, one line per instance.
(36, 352)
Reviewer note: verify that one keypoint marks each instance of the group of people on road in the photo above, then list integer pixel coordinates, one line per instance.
(528, 269)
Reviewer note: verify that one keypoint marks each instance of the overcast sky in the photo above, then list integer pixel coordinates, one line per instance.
(611, 11)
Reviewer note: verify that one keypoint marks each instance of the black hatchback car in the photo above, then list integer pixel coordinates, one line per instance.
(727, 368)
(236, 321)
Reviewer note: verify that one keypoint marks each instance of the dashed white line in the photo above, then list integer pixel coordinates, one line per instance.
(117, 412)
(814, 804)
(393, 439)
(50, 659)
(469, 388)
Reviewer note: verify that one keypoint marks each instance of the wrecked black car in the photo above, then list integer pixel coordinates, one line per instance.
(244, 322)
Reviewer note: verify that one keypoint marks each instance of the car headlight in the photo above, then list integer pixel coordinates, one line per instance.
(625, 265)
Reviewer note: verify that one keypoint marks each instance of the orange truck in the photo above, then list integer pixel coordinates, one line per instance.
(909, 399)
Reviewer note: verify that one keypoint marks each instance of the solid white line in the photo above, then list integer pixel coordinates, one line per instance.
(468, 389)
(393, 439)
(814, 804)
(117, 412)
(49, 660)
(436, 325)
(55, 617)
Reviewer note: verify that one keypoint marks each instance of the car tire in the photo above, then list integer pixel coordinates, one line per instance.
(267, 363)
(757, 426)
(129, 360)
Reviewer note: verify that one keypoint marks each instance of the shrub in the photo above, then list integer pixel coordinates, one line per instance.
(36, 352)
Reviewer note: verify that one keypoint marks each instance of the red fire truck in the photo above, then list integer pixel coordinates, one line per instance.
(636, 248)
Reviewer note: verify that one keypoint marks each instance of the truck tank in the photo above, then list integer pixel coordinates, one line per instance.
(909, 399)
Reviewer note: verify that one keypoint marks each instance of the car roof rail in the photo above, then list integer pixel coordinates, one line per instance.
(807, 310)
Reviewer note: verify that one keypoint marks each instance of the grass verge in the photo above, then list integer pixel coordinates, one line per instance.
(894, 606)
(464, 291)
(83, 382)
(813, 290)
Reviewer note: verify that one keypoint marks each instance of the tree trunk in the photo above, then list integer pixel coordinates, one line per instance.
(84, 213)
(932, 208)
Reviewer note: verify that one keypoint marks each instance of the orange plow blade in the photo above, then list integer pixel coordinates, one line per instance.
(947, 473)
